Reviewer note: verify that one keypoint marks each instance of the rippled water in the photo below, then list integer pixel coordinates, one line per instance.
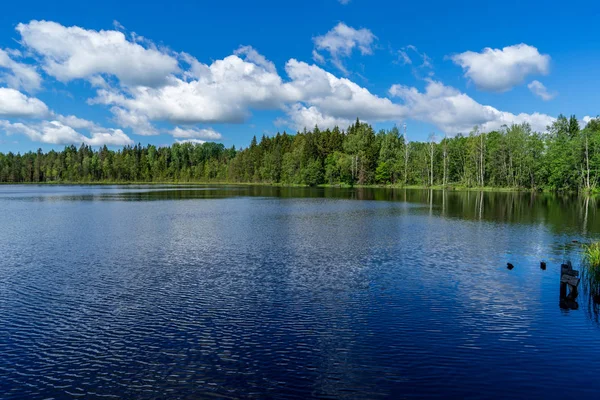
(195, 292)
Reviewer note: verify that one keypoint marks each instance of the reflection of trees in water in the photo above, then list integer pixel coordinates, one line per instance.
(564, 214)
(586, 209)
(560, 213)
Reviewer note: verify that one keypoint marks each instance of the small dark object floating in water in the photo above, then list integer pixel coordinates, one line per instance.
(509, 266)
(543, 265)
(575, 241)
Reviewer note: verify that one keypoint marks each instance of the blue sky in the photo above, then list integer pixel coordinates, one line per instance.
(118, 73)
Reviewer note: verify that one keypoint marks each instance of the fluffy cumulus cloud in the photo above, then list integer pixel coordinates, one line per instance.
(499, 70)
(109, 137)
(18, 75)
(223, 91)
(538, 88)
(138, 122)
(69, 53)
(56, 132)
(14, 104)
(332, 100)
(341, 41)
(300, 117)
(455, 112)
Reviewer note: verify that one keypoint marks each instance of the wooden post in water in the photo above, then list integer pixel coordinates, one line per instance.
(568, 277)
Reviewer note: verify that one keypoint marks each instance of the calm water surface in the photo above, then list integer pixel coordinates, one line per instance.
(254, 292)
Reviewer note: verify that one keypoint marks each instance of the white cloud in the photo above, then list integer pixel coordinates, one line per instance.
(193, 141)
(69, 53)
(254, 57)
(52, 132)
(18, 75)
(341, 41)
(59, 130)
(138, 122)
(455, 112)
(538, 88)
(301, 117)
(318, 57)
(118, 26)
(224, 91)
(55, 132)
(227, 90)
(499, 70)
(109, 137)
(585, 120)
(98, 81)
(195, 133)
(339, 98)
(76, 123)
(17, 105)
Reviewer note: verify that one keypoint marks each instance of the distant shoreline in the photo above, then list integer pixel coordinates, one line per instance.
(450, 188)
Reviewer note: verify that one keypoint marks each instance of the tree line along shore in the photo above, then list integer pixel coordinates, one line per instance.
(565, 158)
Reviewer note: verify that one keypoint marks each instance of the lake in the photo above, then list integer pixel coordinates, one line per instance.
(266, 292)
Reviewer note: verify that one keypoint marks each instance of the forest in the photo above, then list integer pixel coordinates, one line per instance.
(565, 158)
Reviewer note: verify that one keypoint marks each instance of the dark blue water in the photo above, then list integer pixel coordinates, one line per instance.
(250, 292)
